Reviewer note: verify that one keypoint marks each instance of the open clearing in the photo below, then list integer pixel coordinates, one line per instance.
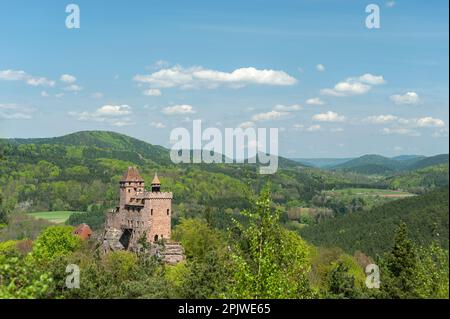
(57, 217)
(372, 192)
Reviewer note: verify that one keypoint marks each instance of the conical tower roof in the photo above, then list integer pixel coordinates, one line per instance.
(132, 175)
(155, 180)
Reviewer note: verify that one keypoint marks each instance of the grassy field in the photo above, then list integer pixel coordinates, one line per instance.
(371, 192)
(57, 217)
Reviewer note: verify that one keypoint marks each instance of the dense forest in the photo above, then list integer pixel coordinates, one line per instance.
(303, 232)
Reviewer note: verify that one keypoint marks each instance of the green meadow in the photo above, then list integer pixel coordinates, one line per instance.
(57, 217)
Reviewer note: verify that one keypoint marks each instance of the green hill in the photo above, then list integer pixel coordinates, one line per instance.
(103, 140)
(370, 164)
(427, 218)
(80, 172)
(380, 165)
(429, 161)
(420, 179)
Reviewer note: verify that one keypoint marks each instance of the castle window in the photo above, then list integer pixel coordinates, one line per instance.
(167, 212)
(129, 190)
(151, 211)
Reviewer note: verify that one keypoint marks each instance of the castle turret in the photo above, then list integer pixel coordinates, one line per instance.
(156, 184)
(130, 184)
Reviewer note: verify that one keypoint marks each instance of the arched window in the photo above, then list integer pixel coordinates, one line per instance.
(151, 211)
(167, 212)
(156, 238)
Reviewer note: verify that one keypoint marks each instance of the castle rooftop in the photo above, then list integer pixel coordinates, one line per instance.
(132, 175)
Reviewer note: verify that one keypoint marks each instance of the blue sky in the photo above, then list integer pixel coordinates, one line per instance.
(333, 87)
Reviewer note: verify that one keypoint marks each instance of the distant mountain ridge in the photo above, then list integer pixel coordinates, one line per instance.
(119, 142)
(377, 164)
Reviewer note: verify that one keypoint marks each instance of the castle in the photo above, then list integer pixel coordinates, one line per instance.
(141, 217)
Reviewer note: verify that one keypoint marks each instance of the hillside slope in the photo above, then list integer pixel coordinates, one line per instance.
(427, 217)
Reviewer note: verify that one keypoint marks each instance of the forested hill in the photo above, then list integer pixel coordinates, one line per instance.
(103, 140)
(81, 170)
(427, 218)
(377, 164)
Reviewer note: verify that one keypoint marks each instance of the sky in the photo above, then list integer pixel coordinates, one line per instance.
(312, 69)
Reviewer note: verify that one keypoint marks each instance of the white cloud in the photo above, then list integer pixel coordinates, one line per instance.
(44, 94)
(267, 116)
(329, 117)
(178, 109)
(287, 108)
(73, 88)
(315, 101)
(371, 79)
(152, 92)
(337, 130)
(298, 127)
(67, 78)
(407, 98)
(157, 125)
(442, 132)
(380, 119)
(355, 85)
(59, 95)
(247, 124)
(14, 75)
(430, 122)
(198, 77)
(314, 128)
(400, 131)
(116, 115)
(15, 112)
(390, 4)
(320, 67)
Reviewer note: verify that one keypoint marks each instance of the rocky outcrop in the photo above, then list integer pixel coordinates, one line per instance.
(170, 252)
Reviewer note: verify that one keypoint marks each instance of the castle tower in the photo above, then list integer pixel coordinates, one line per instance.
(160, 212)
(130, 184)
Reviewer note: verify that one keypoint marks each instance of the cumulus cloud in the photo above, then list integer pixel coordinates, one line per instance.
(442, 132)
(15, 112)
(19, 75)
(315, 101)
(390, 4)
(152, 92)
(73, 88)
(247, 124)
(407, 98)
(267, 116)
(430, 122)
(287, 108)
(116, 115)
(355, 85)
(157, 125)
(320, 67)
(400, 131)
(178, 109)
(198, 77)
(67, 78)
(380, 119)
(329, 117)
(314, 128)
